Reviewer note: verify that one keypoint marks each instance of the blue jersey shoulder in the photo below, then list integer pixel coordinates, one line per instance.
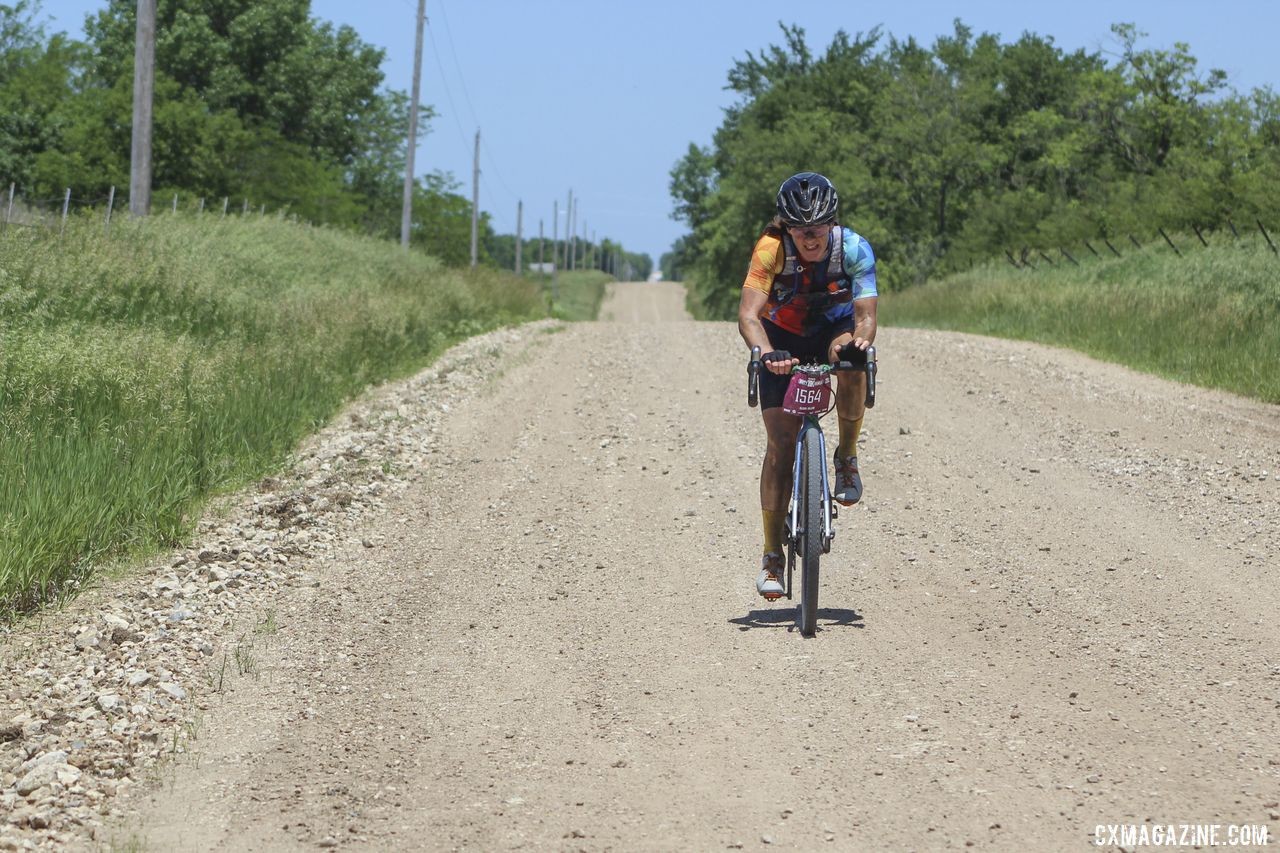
(860, 264)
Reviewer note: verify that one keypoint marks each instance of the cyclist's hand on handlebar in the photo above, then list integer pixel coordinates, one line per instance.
(852, 351)
(779, 361)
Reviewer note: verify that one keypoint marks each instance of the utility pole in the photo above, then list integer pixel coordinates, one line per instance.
(575, 237)
(555, 253)
(406, 209)
(568, 230)
(475, 200)
(575, 233)
(519, 236)
(144, 83)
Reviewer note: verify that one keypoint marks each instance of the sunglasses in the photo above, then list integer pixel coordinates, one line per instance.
(812, 232)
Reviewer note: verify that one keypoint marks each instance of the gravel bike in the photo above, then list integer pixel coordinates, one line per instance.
(809, 529)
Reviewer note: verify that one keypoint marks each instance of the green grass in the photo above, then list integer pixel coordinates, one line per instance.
(575, 295)
(1210, 318)
(142, 372)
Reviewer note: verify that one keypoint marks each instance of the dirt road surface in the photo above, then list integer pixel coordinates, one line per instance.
(1055, 609)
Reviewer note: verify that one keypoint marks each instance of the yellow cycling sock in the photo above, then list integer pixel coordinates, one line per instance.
(849, 431)
(774, 522)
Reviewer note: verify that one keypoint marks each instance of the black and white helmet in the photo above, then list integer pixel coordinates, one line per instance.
(807, 198)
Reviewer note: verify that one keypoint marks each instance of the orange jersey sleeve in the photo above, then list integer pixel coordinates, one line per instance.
(766, 262)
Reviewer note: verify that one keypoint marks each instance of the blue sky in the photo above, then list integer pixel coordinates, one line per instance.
(604, 97)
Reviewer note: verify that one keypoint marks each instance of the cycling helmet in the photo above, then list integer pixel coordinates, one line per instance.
(807, 198)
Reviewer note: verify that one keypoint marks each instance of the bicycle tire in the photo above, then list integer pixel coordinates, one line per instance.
(811, 525)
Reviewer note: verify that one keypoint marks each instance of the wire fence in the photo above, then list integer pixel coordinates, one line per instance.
(53, 213)
(1030, 258)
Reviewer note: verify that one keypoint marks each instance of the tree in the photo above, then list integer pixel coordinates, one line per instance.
(441, 223)
(254, 98)
(1163, 108)
(267, 61)
(36, 79)
(949, 154)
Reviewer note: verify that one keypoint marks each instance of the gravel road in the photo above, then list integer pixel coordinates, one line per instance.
(1055, 608)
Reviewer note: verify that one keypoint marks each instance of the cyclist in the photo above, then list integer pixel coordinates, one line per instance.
(809, 293)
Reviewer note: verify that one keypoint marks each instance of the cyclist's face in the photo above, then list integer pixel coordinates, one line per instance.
(811, 241)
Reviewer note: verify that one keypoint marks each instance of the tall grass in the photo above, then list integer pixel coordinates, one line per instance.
(575, 295)
(143, 371)
(1211, 318)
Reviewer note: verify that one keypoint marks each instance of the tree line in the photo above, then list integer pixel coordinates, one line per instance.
(254, 99)
(948, 155)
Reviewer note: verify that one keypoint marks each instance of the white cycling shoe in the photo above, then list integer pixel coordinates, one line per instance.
(768, 583)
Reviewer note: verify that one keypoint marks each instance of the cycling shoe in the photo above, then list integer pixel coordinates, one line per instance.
(768, 584)
(848, 485)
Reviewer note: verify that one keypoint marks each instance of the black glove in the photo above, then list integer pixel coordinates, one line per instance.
(776, 355)
(850, 353)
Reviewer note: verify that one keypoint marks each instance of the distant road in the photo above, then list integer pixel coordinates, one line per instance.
(644, 302)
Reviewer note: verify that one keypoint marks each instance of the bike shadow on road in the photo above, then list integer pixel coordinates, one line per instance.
(785, 617)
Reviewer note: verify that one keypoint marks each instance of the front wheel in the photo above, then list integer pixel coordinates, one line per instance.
(811, 529)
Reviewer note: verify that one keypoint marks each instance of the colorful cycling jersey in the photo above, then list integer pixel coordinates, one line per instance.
(803, 298)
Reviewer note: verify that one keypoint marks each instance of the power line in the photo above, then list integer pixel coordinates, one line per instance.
(466, 94)
(448, 93)
(455, 112)
(448, 32)
(490, 159)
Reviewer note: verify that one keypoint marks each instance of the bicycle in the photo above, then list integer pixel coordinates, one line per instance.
(810, 514)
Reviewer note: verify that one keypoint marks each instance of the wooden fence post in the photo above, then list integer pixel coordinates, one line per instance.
(1203, 242)
(1170, 242)
(111, 202)
(1089, 246)
(1009, 255)
(245, 210)
(66, 203)
(200, 205)
(8, 213)
(1046, 257)
(225, 199)
(1134, 241)
(175, 202)
(1067, 255)
(1233, 229)
(1112, 248)
(1268, 236)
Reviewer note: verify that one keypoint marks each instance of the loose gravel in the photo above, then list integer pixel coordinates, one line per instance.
(106, 693)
